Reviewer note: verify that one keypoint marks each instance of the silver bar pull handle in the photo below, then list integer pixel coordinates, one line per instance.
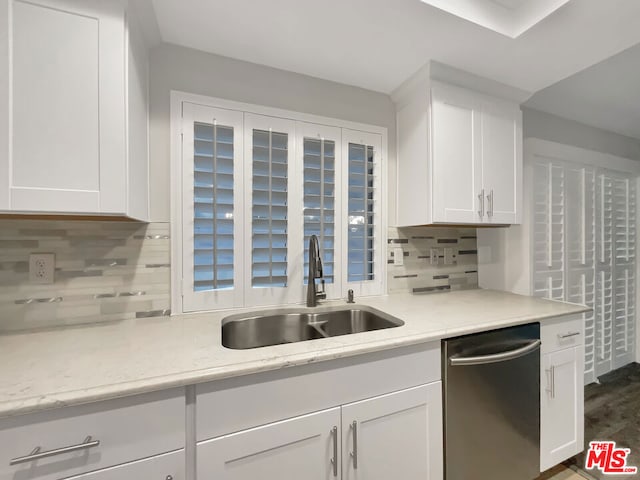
(481, 198)
(568, 335)
(552, 381)
(496, 357)
(490, 202)
(37, 454)
(334, 460)
(354, 454)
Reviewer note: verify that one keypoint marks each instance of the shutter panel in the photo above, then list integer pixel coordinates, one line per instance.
(319, 184)
(361, 205)
(364, 245)
(212, 226)
(580, 251)
(320, 158)
(270, 177)
(604, 273)
(548, 231)
(624, 238)
(270, 162)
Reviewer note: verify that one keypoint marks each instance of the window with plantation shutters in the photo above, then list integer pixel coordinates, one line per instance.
(255, 188)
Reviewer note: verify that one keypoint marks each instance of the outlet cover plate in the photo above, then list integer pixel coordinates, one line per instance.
(41, 268)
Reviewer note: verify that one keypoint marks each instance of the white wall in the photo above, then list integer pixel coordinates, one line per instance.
(545, 126)
(193, 71)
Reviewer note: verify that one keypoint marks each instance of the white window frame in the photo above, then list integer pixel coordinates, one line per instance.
(178, 252)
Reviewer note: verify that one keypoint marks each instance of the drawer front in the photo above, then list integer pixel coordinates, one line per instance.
(162, 467)
(121, 431)
(246, 402)
(563, 332)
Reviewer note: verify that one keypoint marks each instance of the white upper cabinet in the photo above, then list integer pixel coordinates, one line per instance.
(459, 155)
(74, 131)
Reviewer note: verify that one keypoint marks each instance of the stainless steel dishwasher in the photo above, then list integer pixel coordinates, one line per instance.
(492, 405)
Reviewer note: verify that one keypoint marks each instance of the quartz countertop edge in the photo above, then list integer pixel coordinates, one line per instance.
(78, 365)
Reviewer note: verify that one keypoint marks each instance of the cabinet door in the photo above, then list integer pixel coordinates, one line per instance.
(502, 161)
(394, 436)
(561, 406)
(163, 467)
(456, 156)
(67, 117)
(304, 447)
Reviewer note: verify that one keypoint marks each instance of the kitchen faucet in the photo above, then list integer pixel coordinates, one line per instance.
(315, 272)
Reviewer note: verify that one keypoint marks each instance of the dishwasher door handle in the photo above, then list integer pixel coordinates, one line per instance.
(496, 357)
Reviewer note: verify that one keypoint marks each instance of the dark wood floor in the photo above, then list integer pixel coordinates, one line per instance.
(612, 412)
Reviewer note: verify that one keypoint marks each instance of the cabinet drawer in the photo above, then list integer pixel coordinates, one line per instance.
(121, 430)
(562, 332)
(271, 396)
(170, 465)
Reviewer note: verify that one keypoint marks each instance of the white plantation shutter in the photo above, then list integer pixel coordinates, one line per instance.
(364, 238)
(624, 277)
(212, 160)
(580, 251)
(584, 237)
(320, 155)
(549, 231)
(269, 174)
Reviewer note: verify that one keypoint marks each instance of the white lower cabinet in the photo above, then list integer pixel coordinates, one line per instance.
(561, 390)
(305, 447)
(562, 406)
(394, 436)
(162, 467)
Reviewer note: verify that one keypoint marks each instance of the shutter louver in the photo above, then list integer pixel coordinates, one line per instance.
(269, 209)
(213, 237)
(319, 194)
(360, 258)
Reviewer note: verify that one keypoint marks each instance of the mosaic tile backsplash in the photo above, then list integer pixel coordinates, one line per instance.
(435, 259)
(105, 271)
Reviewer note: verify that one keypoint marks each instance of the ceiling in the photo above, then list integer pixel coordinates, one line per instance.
(508, 17)
(606, 95)
(377, 44)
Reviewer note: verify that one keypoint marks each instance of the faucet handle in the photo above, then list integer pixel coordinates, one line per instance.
(322, 293)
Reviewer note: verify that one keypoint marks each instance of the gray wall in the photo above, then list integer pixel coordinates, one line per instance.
(545, 126)
(192, 71)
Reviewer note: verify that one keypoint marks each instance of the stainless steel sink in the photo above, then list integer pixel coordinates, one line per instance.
(277, 327)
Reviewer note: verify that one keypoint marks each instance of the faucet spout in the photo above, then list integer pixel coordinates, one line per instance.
(315, 272)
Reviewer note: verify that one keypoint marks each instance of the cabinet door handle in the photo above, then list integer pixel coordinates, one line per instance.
(490, 202)
(354, 454)
(481, 198)
(334, 460)
(37, 454)
(568, 335)
(552, 381)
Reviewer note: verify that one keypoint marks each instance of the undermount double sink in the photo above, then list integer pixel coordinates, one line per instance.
(276, 327)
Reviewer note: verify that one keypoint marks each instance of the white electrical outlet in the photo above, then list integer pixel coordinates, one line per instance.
(42, 267)
(448, 256)
(398, 256)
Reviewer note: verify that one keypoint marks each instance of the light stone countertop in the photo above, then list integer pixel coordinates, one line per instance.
(70, 366)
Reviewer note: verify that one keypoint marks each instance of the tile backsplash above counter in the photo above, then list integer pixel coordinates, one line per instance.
(109, 271)
(435, 259)
(104, 271)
